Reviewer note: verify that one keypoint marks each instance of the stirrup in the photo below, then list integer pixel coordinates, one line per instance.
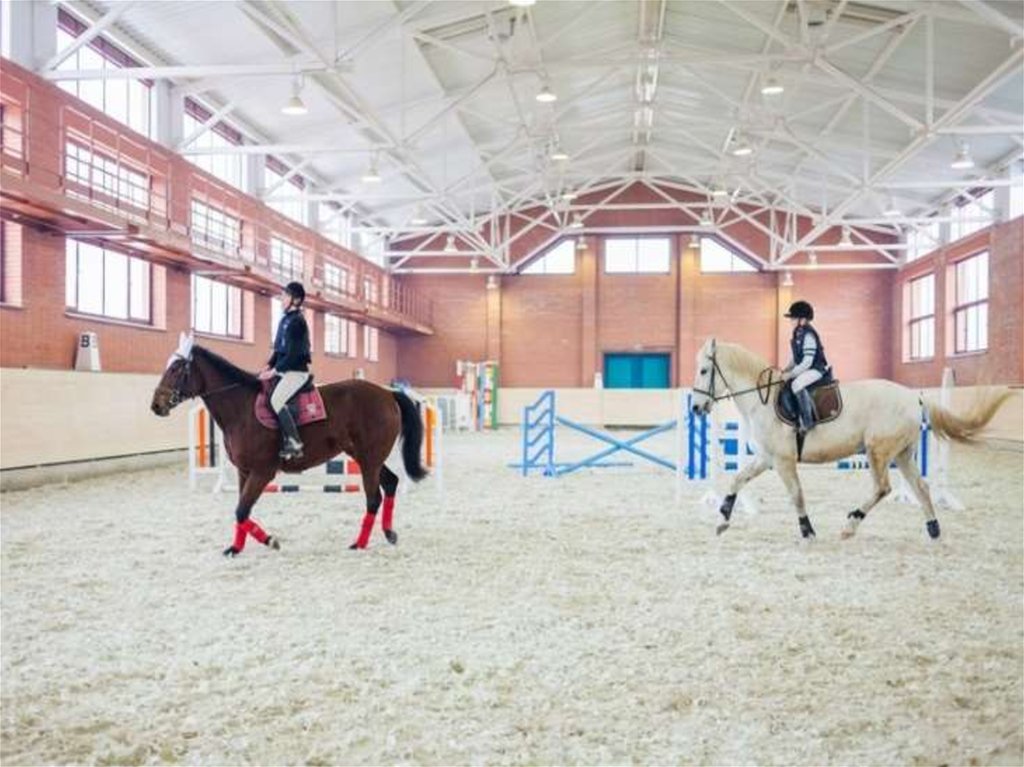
(291, 449)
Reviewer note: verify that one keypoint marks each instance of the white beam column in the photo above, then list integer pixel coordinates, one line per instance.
(28, 32)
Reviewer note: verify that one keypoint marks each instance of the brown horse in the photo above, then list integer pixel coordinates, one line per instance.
(363, 421)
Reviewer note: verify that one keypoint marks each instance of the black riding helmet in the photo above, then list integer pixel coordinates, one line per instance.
(295, 290)
(800, 310)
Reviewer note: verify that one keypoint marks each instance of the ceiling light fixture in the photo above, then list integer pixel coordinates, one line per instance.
(695, 241)
(844, 240)
(546, 95)
(474, 263)
(741, 147)
(706, 220)
(787, 279)
(718, 192)
(813, 258)
(418, 219)
(568, 195)
(963, 159)
(581, 243)
(576, 223)
(372, 175)
(295, 105)
(890, 210)
(558, 154)
(449, 244)
(492, 282)
(772, 87)
(521, 3)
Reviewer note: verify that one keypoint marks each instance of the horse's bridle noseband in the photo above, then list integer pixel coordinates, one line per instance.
(763, 390)
(178, 396)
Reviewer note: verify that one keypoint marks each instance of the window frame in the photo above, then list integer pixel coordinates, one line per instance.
(194, 284)
(130, 317)
(636, 255)
(734, 257)
(916, 321)
(539, 266)
(963, 310)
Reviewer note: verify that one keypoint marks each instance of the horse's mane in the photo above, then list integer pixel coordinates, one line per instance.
(231, 371)
(741, 359)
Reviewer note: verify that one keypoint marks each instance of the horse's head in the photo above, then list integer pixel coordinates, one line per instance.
(180, 380)
(706, 378)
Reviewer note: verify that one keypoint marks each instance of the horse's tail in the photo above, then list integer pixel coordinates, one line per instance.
(412, 437)
(966, 427)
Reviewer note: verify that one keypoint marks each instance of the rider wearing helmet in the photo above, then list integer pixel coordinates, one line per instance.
(290, 361)
(809, 364)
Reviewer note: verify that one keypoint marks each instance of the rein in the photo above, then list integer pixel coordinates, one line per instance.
(763, 389)
(177, 397)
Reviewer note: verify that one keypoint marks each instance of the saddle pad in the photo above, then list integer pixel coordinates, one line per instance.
(307, 405)
(828, 404)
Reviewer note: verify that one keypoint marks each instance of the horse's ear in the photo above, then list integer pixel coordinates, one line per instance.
(713, 346)
(185, 343)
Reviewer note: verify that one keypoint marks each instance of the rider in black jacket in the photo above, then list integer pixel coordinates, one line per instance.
(290, 361)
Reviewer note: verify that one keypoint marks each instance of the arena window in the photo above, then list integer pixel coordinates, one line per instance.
(923, 240)
(371, 339)
(280, 189)
(637, 255)
(716, 257)
(561, 259)
(230, 168)
(106, 182)
(972, 215)
(285, 259)
(216, 308)
(127, 101)
(213, 227)
(970, 305)
(335, 278)
(919, 296)
(106, 283)
(335, 335)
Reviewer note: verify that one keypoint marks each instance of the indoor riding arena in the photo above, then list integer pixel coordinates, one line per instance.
(667, 362)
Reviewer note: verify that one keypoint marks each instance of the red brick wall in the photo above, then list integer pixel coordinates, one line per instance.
(556, 329)
(41, 334)
(1003, 363)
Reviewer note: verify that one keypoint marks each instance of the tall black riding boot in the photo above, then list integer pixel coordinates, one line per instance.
(291, 445)
(806, 407)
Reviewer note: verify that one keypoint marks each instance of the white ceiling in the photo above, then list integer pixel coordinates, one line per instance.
(443, 93)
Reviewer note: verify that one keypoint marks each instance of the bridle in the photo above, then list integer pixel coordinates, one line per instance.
(177, 390)
(763, 389)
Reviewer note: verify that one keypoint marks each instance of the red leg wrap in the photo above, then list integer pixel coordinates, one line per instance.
(364, 533)
(387, 512)
(241, 528)
(257, 532)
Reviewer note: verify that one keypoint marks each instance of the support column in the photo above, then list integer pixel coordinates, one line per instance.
(590, 364)
(494, 319)
(689, 283)
(168, 115)
(784, 297)
(28, 33)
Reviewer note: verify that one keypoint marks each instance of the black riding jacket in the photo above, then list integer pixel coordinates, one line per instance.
(796, 345)
(291, 345)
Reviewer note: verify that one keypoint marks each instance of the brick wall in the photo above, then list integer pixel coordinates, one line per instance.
(40, 333)
(556, 329)
(1003, 362)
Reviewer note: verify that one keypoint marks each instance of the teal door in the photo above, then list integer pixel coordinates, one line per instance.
(637, 371)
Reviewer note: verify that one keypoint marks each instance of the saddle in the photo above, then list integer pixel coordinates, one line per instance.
(828, 403)
(307, 406)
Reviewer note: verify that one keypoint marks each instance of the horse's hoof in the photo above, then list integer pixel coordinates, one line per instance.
(231, 551)
(721, 528)
(392, 536)
(273, 543)
(933, 529)
(847, 533)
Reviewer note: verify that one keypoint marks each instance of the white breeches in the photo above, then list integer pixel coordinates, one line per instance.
(290, 383)
(805, 379)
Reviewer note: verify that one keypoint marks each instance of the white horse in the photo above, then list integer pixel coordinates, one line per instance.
(880, 416)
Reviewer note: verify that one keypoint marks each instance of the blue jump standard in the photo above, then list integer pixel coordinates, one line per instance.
(538, 444)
